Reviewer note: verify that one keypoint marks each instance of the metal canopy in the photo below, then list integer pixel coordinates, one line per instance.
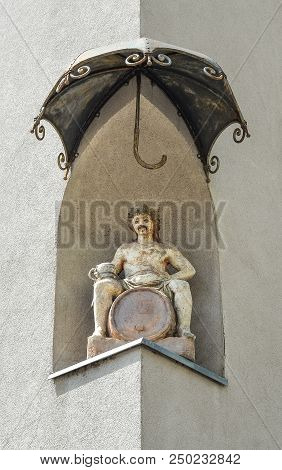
(194, 83)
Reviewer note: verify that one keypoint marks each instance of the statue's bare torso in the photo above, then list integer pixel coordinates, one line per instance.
(140, 262)
(150, 261)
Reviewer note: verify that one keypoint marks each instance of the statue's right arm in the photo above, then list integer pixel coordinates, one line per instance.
(119, 259)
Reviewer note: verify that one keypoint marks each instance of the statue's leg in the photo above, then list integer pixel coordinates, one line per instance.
(183, 306)
(104, 291)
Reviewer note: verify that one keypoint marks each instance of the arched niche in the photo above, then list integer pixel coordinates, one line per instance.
(104, 181)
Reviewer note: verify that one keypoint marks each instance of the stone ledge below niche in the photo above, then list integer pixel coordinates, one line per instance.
(156, 348)
(181, 346)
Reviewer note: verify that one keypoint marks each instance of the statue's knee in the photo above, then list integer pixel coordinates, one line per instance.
(177, 285)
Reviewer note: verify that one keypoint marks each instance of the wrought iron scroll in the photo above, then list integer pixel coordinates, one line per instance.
(136, 59)
(240, 133)
(81, 72)
(38, 129)
(64, 164)
(211, 166)
(149, 166)
(214, 74)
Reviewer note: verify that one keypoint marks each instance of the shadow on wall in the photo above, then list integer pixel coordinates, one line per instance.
(105, 182)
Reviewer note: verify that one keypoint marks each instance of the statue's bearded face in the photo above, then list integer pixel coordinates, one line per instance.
(143, 224)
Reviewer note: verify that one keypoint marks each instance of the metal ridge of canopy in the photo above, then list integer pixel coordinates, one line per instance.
(175, 70)
(143, 44)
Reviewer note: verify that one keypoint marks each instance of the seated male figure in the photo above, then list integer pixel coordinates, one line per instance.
(145, 263)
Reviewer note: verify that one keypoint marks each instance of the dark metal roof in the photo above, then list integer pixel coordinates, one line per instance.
(194, 83)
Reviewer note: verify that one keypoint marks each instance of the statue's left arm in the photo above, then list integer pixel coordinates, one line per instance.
(185, 269)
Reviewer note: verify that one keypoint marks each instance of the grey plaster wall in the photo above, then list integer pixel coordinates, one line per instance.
(196, 413)
(243, 37)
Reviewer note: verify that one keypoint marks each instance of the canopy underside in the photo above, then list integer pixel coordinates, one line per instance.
(195, 84)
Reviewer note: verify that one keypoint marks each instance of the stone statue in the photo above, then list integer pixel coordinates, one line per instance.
(144, 263)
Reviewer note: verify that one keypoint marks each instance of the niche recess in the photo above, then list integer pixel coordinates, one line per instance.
(186, 102)
(104, 180)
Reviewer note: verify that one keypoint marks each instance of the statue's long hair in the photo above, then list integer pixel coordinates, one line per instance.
(154, 214)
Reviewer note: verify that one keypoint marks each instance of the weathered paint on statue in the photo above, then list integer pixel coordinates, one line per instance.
(144, 263)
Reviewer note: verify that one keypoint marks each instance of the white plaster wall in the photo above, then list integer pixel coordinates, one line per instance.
(38, 42)
(244, 38)
(97, 408)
